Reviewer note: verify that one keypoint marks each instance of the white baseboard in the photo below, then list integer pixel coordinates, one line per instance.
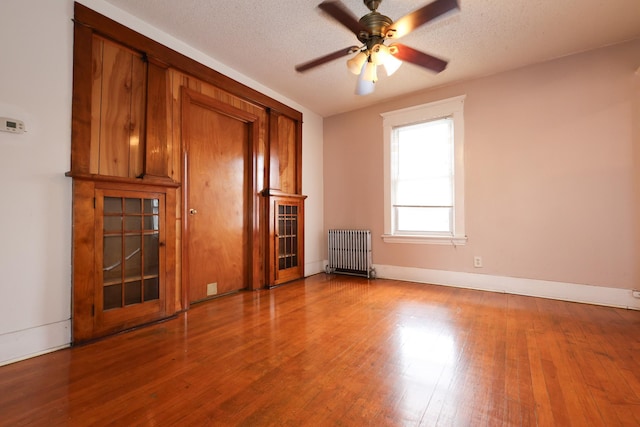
(573, 292)
(20, 345)
(312, 268)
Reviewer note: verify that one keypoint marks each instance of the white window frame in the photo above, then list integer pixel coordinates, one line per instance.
(451, 107)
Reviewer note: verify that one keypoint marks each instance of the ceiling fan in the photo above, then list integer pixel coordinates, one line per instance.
(372, 30)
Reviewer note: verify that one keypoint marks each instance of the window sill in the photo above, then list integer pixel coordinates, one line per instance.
(425, 240)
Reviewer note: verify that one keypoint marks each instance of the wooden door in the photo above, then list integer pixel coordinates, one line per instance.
(218, 140)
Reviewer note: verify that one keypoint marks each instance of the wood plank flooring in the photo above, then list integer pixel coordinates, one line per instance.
(343, 351)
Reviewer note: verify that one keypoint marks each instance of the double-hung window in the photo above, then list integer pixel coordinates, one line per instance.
(424, 173)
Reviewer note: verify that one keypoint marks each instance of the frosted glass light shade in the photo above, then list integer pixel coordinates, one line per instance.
(383, 55)
(364, 87)
(379, 54)
(391, 64)
(355, 64)
(369, 72)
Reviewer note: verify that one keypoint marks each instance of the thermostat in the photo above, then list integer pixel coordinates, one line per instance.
(11, 125)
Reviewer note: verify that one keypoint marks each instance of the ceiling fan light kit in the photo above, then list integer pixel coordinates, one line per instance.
(372, 30)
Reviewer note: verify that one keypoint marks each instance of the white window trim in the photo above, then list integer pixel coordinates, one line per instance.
(451, 107)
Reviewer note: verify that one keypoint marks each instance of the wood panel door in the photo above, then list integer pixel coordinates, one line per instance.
(219, 143)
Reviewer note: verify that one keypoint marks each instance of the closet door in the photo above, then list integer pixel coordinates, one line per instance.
(218, 141)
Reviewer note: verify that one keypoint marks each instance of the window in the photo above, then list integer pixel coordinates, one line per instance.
(424, 173)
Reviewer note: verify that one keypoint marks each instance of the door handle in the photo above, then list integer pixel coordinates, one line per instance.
(192, 211)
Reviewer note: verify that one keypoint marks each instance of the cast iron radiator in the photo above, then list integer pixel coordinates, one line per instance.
(350, 253)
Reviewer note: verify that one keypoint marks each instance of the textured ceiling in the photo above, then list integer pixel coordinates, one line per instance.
(264, 40)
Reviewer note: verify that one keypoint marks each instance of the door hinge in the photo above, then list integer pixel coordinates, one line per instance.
(94, 203)
(93, 310)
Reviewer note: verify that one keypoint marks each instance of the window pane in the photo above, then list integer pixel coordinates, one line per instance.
(423, 219)
(112, 297)
(151, 206)
(151, 222)
(151, 254)
(112, 258)
(430, 191)
(133, 259)
(132, 223)
(423, 176)
(133, 293)
(112, 223)
(112, 205)
(132, 206)
(151, 289)
(425, 149)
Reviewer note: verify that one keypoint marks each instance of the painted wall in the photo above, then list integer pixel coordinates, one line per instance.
(35, 214)
(552, 154)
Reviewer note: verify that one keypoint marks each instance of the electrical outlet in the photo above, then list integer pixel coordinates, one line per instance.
(635, 293)
(477, 261)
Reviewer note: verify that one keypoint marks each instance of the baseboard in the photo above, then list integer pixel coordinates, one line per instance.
(20, 345)
(311, 268)
(573, 292)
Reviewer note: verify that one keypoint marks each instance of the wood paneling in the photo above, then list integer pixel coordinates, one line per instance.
(285, 152)
(127, 133)
(83, 258)
(117, 110)
(156, 142)
(81, 108)
(339, 350)
(115, 31)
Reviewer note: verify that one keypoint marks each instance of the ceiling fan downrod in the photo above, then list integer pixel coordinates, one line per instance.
(372, 4)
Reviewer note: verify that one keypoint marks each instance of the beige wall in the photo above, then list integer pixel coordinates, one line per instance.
(551, 162)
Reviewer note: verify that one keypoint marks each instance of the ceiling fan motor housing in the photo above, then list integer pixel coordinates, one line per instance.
(376, 24)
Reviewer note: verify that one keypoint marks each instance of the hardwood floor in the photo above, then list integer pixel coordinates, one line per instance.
(344, 351)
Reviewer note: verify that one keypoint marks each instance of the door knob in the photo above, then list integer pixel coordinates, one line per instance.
(192, 211)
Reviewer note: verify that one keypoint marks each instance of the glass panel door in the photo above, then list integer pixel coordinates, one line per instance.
(129, 289)
(130, 251)
(287, 237)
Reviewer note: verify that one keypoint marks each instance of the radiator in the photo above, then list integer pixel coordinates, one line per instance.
(350, 253)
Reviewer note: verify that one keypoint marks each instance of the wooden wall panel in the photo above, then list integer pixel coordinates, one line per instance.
(117, 110)
(287, 154)
(137, 116)
(96, 104)
(157, 131)
(83, 259)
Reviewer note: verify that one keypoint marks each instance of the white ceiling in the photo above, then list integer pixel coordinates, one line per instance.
(264, 40)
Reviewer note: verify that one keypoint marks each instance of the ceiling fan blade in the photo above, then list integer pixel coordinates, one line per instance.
(410, 22)
(406, 53)
(340, 13)
(324, 59)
